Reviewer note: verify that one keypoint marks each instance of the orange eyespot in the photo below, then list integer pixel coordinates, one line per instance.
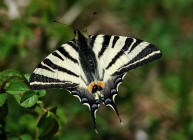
(91, 86)
(101, 84)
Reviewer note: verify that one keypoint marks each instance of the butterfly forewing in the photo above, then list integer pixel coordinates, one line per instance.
(59, 69)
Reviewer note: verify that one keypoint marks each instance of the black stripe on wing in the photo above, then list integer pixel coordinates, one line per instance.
(44, 67)
(121, 52)
(92, 40)
(73, 46)
(47, 82)
(56, 67)
(104, 45)
(41, 78)
(57, 55)
(138, 41)
(115, 40)
(150, 49)
(66, 54)
(46, 86)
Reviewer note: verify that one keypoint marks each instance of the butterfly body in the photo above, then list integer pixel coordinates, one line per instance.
(92, 67)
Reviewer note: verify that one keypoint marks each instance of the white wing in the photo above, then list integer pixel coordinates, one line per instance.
(60, 69)
(116, 55)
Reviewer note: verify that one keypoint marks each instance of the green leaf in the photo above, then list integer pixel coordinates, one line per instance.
(47, 126)
(41, 93)
(3, 97)
(9, 73)
(16, 86)
(27, 95)
(17, 98)
(60, 115)
(25, 137)
(27, 76)
(29, 99)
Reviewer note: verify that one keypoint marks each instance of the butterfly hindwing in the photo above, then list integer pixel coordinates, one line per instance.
(110, 92)
(87, 99)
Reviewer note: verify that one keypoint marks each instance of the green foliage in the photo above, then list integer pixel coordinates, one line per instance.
(156, 98)
(3, 97)
(16, 84)
(47, 125)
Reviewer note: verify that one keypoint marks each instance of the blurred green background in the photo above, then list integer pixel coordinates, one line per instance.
(155, 101)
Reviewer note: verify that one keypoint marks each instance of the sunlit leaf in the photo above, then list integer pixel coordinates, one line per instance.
(26, 137)
(27, 76)
(29, 99)
(16, 86)
(9, 73)
(41, 93)
(17, 97)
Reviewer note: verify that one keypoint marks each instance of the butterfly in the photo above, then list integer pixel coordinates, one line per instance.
(92, 67)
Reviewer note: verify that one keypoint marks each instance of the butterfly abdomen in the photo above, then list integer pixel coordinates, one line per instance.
(87, 58)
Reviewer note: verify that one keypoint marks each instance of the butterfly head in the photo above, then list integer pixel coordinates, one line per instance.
(80, 38)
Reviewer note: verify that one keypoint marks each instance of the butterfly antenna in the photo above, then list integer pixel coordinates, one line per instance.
(56, 21)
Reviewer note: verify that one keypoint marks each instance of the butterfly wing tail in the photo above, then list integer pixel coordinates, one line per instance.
(93, 115)
(87, 99)
(110, 94)
(111, 103)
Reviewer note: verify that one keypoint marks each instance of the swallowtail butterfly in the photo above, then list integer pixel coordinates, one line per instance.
(92, 67)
